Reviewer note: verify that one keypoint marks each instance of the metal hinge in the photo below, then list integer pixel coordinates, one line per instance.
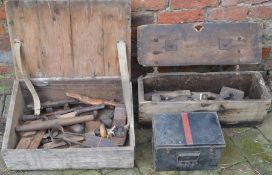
(155, 70)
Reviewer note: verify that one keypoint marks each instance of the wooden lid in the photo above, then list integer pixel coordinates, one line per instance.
(205, 44)
(69, 38)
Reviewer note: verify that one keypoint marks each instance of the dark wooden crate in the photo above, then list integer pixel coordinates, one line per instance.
(187, 141)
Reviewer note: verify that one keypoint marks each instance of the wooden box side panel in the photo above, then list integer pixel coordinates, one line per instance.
(233, 112)
(55, 89)
(69, 38)
(73, 158)
(16, 108)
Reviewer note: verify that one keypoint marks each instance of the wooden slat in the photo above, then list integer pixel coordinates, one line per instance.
(16, 108)
(113, 31)
(30, 40)
(55, 36)
(69, 38)
(87, 36)
(72, 158)
(235, 112)
(214, 44)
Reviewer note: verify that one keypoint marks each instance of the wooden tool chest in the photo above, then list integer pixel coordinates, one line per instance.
(205, 44)
(68, 46)
(187, 141)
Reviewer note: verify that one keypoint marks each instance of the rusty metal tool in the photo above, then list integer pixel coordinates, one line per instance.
(89, 109)
(25, 118)
(50, 104)
(228, 93)
(57, 134)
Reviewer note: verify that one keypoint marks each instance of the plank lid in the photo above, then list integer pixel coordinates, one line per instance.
(69, 38)
(199, 44)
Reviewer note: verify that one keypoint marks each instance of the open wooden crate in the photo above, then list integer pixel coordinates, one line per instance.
(204, 44)
(68, 46)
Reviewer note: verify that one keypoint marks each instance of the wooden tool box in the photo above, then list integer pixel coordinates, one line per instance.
(68, 46)
(205, 44)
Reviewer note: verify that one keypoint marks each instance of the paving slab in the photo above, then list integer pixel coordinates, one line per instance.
(6, 107)
(256, 150)
(133, 171)
(247, 150)
(63, 172)
(2, 104)
(266, 127)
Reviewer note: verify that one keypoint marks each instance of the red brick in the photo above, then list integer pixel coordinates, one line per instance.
(254, 1)
(261, 12)
(2, 30)
(148, 4)
(266, 52)
(2, 13)
(5, 69)
(189, 4)
(4, 43)
(226, 3)
(228, 14)
(180, 16)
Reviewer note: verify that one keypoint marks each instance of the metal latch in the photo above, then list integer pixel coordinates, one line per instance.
(187, 160)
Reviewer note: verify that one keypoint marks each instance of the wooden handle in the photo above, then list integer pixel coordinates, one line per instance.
(91, 101)
(52, 123)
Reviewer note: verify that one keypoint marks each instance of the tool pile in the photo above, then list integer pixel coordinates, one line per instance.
(226, 93)
(80, 122)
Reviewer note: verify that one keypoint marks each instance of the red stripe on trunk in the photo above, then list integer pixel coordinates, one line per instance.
(187, 128)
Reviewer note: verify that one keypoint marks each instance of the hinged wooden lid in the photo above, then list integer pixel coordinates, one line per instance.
(205, 44)
(69, 38)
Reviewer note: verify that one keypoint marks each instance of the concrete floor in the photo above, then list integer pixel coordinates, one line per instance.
(248, 152)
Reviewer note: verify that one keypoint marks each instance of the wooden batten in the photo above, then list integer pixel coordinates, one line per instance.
(69, 38)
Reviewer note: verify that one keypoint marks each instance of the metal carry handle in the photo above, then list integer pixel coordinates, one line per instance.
(187, 159)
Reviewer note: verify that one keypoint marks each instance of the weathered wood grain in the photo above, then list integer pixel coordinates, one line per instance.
(71, 158)
(37, 138)
(214, 44)
(55, 89)
(244, 111)
(127, 87)
(24, 142)
(16, 108)
(69, 38)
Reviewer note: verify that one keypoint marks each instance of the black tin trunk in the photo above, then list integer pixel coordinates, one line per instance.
(187, 141)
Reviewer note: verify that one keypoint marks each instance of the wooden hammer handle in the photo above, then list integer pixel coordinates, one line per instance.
(52, 123)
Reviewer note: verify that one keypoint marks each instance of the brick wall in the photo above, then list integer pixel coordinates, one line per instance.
(5, 53)
(176, 11)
